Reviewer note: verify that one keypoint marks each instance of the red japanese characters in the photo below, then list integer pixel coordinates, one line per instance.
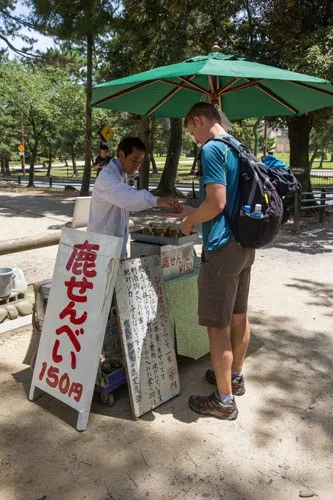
(81, 266)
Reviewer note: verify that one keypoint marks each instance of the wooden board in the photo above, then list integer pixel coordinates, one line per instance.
(149, 353)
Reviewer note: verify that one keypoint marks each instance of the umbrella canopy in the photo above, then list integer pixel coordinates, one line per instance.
(243, 89)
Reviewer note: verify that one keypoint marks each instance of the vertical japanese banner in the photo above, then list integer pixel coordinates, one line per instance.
(75, 320)
(147, 340)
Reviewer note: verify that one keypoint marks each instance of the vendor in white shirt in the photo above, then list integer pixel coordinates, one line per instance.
(112, 198)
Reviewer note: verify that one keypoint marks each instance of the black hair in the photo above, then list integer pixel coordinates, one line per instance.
(129, 143)
(104, 147)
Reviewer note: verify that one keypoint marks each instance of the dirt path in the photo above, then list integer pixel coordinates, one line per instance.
(280, 444)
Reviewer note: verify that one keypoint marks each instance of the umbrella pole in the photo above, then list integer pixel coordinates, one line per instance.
(214, 84)
(214, 97)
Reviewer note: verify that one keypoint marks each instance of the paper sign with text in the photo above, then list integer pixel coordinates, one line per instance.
(146, 336)
(76, 316)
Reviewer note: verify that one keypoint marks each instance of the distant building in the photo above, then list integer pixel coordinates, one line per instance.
(281, 139)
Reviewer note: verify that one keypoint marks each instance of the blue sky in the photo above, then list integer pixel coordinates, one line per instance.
(42, 42)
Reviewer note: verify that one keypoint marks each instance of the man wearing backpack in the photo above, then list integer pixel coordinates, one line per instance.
(224, 277)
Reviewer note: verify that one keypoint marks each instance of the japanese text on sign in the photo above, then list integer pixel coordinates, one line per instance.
(148, 342)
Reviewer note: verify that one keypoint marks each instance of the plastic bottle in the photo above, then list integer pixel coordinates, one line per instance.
(247, 209)
(257, 213)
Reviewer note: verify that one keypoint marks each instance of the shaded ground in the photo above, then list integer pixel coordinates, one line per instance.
(280, 444)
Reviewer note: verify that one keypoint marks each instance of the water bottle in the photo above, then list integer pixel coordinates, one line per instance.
(257, 213)
(247, 210)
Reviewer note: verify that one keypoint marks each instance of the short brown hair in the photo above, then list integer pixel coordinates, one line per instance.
(128, 144)
(205, 109)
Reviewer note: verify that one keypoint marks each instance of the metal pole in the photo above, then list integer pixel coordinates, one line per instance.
(29, 243)
(322, 203)
(297, 212)
(265, 137)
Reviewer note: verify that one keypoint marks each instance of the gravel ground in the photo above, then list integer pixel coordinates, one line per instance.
(280, 444)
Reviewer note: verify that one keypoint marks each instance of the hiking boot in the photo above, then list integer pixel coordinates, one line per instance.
(238, 386)
(211, 406)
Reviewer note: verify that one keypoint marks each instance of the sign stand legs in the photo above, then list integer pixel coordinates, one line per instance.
(82, 420)
(32, 396)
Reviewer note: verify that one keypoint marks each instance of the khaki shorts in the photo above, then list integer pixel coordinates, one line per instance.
(224, 282)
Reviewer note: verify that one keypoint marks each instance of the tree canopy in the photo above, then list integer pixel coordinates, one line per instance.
(100, 40)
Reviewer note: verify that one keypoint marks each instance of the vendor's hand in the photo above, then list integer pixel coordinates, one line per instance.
(185, 211)
(187, 226)
(169, 202)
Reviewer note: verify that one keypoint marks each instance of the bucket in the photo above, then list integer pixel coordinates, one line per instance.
(6, 281)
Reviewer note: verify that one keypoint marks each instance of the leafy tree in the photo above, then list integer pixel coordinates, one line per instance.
(10, 25)
(296, 36)
(154, 33)
(81, 23)
(321, 139)
(31, 95)
(251, 133)
(52, 106)
(9, 137)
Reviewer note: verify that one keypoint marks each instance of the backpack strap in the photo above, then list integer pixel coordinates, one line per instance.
(236, 148)
(230, 143)
(193, 191)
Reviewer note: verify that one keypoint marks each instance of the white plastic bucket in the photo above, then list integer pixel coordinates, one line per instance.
(6, 281)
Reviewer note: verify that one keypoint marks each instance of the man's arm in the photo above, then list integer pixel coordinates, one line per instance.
(124, 196)
(212, 206)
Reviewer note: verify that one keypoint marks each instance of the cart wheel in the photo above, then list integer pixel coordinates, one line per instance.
(108, 399)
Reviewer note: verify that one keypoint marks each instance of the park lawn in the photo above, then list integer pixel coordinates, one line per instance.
(63, 172)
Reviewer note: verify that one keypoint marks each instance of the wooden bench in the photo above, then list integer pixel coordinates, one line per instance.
(318, 199)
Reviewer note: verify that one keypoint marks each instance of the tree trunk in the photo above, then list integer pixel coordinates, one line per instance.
(87, 164)
(75, 172)
(166, 186)
(33, 156)
(299, 137)
(49, 166)
(313, 157)
(144, 169)
(152, 147)
(153, 162)
(2, 165)
(250, 25)
(6, 166)
(256, 138)
(323, 157)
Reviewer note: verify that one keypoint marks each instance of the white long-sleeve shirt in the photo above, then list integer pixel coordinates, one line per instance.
(112, 199)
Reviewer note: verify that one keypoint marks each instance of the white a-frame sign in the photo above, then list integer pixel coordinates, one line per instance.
(74, 327)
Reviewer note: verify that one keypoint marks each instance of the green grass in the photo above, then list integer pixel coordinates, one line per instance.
(184, 175)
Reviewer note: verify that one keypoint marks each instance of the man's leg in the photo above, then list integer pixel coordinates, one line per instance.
(220, 404)
(239, 333)
(240, 338)
(222, 358)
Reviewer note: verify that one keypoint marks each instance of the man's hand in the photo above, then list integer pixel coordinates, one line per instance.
(169, 202)
(185, 211)
(187, 226)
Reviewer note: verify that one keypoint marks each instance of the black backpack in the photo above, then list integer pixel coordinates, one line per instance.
(255, 187)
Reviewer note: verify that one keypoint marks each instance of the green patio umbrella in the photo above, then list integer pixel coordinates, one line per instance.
(243, 89)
